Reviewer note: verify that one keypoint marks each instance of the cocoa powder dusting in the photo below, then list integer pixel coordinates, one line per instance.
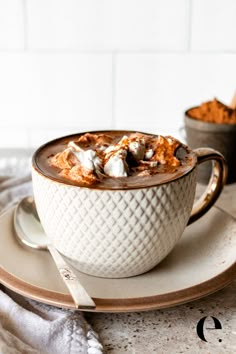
(114, 160)
(214, 112)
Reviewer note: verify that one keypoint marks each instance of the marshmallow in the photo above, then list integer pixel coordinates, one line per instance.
(74, 146)
(123, 143)
(111, 148)
(116, 165)
(137, 149)
(143, 153)
(149, 154)
(88, 159)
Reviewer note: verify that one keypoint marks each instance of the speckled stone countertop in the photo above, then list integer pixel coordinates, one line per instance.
(173, 330)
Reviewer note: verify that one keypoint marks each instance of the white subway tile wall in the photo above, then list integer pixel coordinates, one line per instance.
(153, 91)
(39, 90)
(108, 24)
(213, 26)
(76, 65)
(11, 25)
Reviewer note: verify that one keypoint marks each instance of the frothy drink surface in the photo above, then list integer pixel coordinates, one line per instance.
(114, 160)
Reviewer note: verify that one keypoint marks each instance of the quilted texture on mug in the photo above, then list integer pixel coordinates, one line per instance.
(114, 233)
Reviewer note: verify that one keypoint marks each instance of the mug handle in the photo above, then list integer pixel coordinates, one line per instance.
(216, 183)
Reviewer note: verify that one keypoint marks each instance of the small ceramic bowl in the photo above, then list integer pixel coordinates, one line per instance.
(221, 137)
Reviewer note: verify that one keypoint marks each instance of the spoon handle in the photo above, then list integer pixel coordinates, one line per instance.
(81, 298)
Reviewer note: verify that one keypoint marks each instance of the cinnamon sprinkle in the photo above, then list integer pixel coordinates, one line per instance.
(213, 112)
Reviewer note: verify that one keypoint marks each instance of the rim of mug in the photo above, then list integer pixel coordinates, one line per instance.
(37, 169)
(207, 126)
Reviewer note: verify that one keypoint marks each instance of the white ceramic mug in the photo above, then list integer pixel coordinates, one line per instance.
(122, 233)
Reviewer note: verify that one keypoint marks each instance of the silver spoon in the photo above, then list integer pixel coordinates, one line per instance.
(29, 231)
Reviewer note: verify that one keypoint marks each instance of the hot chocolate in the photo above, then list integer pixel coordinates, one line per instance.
(114, 160)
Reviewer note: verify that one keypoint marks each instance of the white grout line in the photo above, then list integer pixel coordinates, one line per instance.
(95, 51)
(26, 24)
(113, 92)
(118, 52)
(190, 18)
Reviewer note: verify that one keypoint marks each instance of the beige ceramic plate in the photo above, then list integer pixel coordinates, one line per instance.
(202, 262)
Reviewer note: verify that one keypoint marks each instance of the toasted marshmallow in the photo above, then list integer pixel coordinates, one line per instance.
(110, 149)
(88, 159)
(80, 174)
(101, 147)
(123, 143)
(74, 146)
(165, 151)
(137, 149)
(63, 160)
(116, 165)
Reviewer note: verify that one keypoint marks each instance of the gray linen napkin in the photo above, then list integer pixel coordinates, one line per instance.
(27, 326)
